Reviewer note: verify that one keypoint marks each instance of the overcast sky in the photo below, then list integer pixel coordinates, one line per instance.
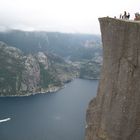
(78, 16)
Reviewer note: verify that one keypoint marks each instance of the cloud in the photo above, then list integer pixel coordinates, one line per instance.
(61, 15)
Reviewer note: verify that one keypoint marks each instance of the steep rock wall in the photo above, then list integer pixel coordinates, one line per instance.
(115, 113)
(23, 75)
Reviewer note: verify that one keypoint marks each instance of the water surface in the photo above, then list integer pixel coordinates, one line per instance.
(53, 116)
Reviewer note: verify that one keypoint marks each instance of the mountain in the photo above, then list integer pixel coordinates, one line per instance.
(115, 113)
(81, 50)
(70, 46)
(90, 70)
(40, 72)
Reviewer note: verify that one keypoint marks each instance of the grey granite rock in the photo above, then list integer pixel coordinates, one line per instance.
(115, 113)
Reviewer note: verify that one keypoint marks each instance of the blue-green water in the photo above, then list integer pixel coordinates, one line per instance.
(54, 116)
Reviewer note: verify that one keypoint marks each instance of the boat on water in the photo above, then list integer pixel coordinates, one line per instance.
(5, 120)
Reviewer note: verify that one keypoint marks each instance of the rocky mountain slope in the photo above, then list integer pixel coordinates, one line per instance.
(115, 113)
(81, 50)
(33, 73)
(90, 69)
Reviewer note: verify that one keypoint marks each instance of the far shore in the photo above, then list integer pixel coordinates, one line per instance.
(53, 89)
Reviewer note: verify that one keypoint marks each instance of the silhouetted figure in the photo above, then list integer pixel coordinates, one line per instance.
(120, 16)
(125, 15)
(128, 16)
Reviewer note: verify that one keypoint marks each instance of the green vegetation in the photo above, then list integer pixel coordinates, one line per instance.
(62, 57)
(48, 77)
(20, 74)
(10, 69)
(90, 70)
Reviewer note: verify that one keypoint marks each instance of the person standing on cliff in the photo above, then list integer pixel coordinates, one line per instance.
(120, 16)
(128, 16)
(137, 16)
(125, 15)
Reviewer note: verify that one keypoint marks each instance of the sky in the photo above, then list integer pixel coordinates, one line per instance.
(75, 16)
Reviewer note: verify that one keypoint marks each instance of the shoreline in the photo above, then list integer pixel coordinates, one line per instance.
(47, 91)
(51, 90)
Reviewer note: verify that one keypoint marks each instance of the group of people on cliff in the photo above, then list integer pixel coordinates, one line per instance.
(126, 16)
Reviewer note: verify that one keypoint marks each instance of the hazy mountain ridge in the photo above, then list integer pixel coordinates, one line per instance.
(71, 46)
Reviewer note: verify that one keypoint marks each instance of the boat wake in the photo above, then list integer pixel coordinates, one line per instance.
(5, 120)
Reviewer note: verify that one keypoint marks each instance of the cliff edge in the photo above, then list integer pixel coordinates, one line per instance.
(115, 113)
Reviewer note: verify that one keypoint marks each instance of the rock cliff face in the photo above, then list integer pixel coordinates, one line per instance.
(115, 113)
(22, 75)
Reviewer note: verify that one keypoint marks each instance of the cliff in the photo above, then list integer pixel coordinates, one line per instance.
(115, 113)
(22, 75)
